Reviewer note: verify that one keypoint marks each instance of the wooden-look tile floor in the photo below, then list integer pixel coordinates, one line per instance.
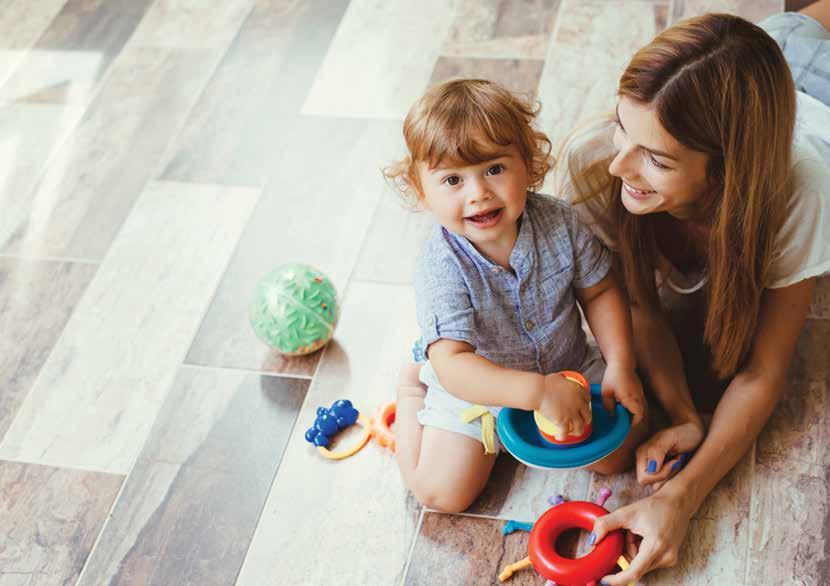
(158, 157)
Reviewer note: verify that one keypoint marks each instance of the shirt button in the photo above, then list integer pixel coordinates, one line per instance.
(529, 325)
(496, 269)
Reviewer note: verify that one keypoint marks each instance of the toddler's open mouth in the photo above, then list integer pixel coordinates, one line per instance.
(486, 219)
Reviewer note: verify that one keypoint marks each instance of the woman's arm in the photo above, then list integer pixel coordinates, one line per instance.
(662, 519)
(752, 395)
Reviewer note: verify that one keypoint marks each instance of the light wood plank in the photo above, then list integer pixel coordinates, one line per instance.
(350, 521)
(101, 388)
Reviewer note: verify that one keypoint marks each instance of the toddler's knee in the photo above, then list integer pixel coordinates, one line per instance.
(442, 498)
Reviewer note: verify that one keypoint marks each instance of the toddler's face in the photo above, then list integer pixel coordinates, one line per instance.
(480, 202)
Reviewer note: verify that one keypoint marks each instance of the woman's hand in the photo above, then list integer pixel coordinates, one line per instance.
(623, 385)
(661, 520)
(664, 454)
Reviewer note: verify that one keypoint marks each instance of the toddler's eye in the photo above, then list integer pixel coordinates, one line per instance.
(495, 169)
(452, 180)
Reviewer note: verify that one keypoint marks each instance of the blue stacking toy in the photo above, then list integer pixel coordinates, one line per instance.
(520, 436)
(329, 421)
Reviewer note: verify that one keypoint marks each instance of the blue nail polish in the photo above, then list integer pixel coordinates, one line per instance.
(592, 539)
(652, 466)
(680, 461)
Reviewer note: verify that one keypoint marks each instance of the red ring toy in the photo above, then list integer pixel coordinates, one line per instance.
(566, 571)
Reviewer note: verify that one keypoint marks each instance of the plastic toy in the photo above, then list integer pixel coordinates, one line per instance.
(520, 435)
(381, 423)
(548, 430)
(559, 570)
(341, 415)
(294, 309)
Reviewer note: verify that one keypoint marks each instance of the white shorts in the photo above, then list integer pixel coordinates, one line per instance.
(443, 409)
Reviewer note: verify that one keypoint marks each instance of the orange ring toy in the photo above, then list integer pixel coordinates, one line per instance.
(381, 423)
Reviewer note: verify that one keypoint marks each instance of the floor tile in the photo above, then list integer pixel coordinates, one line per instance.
(393, 242)
(518, 492)
(21, 24)
(92, 182)
(237, 128)
(456, 549)
(74, 53)
(789, 537)
(316, 218)
(589, 38)
(794, 431)
(189, 507)
(186, 24)
(380, 59)
(820, 308)
(518, 75)
(51, 518)
(811, 361)
(100, 390)
(503, 29)
(30, 134)
(715, 549)
(754, 10)
(360, 500)
(36, 300)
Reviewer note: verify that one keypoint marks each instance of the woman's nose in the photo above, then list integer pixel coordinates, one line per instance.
(622, 164)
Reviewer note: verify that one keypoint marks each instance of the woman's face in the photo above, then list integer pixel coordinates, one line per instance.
(658, 173)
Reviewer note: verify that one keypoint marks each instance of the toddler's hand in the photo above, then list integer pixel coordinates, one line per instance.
(623, 385)
(566, 404)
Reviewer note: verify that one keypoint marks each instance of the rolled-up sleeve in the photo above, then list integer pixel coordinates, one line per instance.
(592, 260)
(443, 303)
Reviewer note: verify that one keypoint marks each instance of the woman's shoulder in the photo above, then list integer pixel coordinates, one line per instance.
(803, 244)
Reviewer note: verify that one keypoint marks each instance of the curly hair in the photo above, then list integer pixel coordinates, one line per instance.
(465, 122)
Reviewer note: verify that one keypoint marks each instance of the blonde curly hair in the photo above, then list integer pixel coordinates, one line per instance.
(465, 122)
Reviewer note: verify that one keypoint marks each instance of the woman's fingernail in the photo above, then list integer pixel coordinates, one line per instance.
(652, 466)
(680, 461)
(592, 539)
(603, 583)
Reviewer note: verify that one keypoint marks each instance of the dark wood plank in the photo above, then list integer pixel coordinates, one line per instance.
(191, 503)
(51, 518)
(234, 131)
(74, 53)
(456, 549)
(36, 300)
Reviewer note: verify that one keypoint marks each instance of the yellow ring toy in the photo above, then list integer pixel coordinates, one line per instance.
(329, 455)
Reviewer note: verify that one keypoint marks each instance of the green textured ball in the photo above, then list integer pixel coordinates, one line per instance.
(295, 309)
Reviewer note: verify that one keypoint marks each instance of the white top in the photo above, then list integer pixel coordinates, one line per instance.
(803, 248)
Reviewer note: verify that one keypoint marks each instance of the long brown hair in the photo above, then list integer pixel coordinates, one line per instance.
(719, 85)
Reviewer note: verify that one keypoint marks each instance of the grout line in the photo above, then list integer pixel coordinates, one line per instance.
(246, 371)
(418, 526)
(104, 526)
(66, 259)
(751, 482)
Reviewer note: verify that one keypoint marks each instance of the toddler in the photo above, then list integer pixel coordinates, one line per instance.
(497, 288)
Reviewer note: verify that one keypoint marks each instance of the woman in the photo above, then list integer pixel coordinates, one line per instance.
(717, 204)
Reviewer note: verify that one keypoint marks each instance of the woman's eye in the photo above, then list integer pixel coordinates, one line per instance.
(495, 169)
(656, 163)
(452, 180)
